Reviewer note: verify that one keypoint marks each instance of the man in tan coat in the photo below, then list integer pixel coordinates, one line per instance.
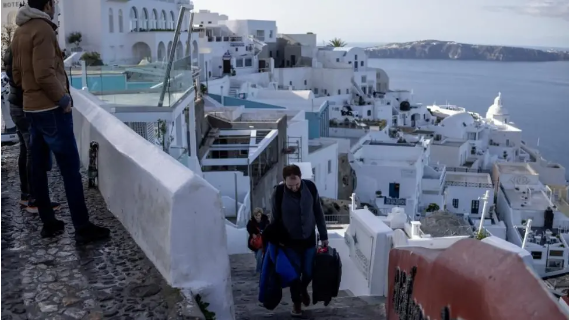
(38, 69)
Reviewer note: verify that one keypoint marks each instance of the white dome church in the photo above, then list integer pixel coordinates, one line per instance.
(497, 112)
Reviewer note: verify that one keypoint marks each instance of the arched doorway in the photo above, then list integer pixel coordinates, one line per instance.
(141, 51)
(415, 119)
(169, 49)
(161, 52)
(134, 22)
(162, 24)
(179, 51)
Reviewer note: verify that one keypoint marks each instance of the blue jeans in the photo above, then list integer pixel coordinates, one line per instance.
(53, 130)
(298, 287)
(258, 260)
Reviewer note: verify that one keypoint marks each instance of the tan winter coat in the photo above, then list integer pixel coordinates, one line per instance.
(37, 61)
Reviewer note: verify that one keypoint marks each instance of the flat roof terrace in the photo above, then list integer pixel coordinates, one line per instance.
(537, 200)
(515, 168)
(468, 177)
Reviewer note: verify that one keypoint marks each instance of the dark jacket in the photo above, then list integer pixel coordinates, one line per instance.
(254, 227)
(15, 97)
(294, 220)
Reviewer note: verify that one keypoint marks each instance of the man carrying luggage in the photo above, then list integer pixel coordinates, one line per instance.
(296, 210)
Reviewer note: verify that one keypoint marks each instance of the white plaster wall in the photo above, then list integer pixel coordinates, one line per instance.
(225, 181)
(447, 155)
(206, 17)
(332, 80)
(237, 240)
(219, 86)
(465, 195)
(326, 181)
(168, 210)
(299, 78)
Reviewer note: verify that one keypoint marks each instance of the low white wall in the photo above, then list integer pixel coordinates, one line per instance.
(237, 240)
(169, 211)
(369, 241)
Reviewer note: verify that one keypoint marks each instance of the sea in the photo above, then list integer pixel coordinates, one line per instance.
(535, 93)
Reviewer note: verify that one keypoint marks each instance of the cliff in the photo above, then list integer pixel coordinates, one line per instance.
(449, 50)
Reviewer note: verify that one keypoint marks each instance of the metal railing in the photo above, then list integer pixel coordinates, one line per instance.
(468, 184)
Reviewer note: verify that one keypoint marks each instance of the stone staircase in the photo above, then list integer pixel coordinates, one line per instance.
(245, 285)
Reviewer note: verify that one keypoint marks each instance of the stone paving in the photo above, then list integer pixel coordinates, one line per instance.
(245, 289)
(54, 279)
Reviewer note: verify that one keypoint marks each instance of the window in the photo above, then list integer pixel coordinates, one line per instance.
(120, 20)
(337, 59)
(270, 34)
(556, 253)
(329, 166)
(363, 79)
(455, 203)
(474, 206)
(394, 190)
(111, 26)
(314, 174)
(369, 113)
(277, 53)
(316, 91)
(239, 63)
(236, 49)
(248, 62)
(270, 54)
(209, 22)
(347, 91)
(362, 63)
(339, 91)
(536, 255)
(305, 82)
(355, 57)
(290, 83)
(325, 91)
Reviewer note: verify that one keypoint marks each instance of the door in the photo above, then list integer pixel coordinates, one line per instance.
(227, 66)
(262, 65)
(293, 60)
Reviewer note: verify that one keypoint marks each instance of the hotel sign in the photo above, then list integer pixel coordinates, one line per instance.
(394, 201)
(12, 4)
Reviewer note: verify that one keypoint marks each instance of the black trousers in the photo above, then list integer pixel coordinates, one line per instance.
(25, 156)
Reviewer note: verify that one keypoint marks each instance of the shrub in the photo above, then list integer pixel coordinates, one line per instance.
(92, 58)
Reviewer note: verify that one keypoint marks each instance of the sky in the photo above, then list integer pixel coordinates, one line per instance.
(541, 23)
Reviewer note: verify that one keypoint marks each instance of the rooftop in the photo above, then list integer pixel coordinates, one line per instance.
(468, 178)
(447, 143)
(318, 144)
(539, 235)
(537, 200)
(515, 168)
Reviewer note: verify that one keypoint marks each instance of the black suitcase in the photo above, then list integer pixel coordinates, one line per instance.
(327, 274)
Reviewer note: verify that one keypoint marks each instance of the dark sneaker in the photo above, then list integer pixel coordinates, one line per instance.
(32, 207)
(24, 199)
(53, 229)
(306, 299)
(297, 312)
(91, 233)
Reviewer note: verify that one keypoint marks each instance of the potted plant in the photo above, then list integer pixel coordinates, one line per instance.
(92, 58)
(378, 194)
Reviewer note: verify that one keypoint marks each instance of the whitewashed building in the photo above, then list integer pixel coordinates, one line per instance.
(533, 221)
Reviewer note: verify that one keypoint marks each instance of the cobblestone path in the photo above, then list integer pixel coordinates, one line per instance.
(54, 279)
(245, 289)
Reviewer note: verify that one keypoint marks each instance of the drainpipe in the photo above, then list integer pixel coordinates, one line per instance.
(236, 197)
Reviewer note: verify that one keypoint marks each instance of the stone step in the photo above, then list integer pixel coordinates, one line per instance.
(245, 285)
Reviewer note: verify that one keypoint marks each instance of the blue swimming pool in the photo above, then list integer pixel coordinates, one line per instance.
(109, 82)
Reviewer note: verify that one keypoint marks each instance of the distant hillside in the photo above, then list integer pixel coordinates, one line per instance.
(450, 50)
